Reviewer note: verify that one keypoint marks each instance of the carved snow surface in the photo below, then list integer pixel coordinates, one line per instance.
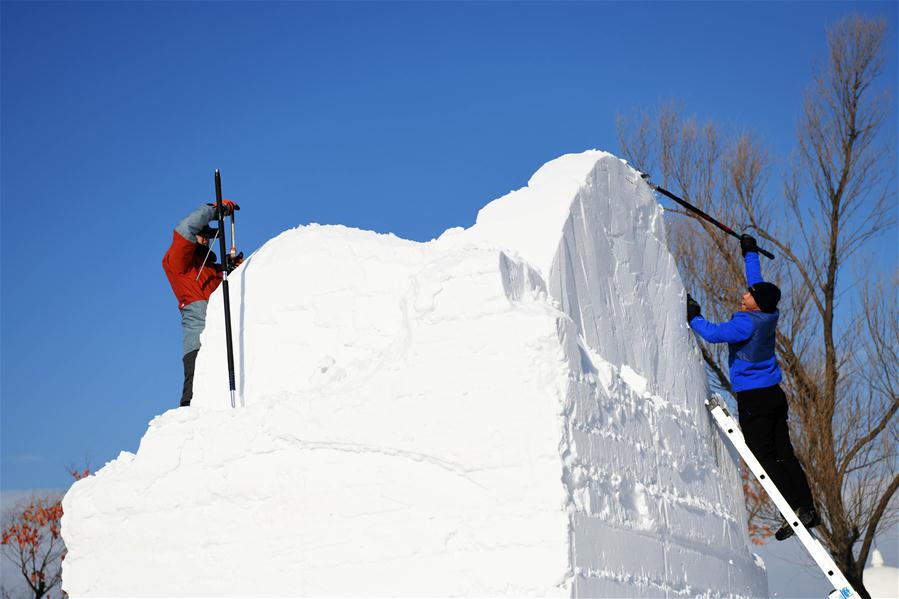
(511, 409)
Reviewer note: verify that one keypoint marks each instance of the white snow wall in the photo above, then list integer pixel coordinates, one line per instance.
(511, 409)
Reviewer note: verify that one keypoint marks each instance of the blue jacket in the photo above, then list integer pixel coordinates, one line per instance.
(749, 337)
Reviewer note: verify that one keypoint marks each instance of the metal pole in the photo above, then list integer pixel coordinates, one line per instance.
(225, 265)
(233, 236)
(699, 212)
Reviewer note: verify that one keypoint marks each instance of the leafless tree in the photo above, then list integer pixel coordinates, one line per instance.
(32, 543)
(839, 331)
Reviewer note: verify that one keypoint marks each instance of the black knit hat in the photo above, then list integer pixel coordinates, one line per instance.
(208, 232)
(766, 295)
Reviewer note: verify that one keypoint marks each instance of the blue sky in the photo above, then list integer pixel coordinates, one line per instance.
(401, 117)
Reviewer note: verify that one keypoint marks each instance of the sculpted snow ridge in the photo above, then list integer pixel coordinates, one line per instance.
(488, 413)
(615, 279)
(610, 273)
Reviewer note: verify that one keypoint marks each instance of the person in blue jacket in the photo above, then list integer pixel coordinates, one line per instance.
(755, 379)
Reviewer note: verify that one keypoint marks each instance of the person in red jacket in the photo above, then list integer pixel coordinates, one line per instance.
(193, 274)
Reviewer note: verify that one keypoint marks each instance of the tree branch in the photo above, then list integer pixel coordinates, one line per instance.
(876, 515)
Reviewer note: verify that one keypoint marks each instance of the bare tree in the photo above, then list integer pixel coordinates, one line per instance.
(32, 542)
(837, 346)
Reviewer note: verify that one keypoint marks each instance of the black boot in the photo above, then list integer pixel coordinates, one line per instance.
(807, 515)
(187, 392)
(784, 532)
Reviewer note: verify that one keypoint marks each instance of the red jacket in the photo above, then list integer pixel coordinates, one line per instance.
(182, 262)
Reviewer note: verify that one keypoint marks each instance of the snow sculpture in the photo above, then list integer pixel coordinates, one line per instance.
(511, 409)
(881, 581)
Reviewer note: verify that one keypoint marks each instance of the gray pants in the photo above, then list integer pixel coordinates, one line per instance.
(193, 320)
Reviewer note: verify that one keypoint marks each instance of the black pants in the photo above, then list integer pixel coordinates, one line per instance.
(190, 361)
(763, 420)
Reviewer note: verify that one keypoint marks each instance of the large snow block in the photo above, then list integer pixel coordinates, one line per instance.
(495, 412)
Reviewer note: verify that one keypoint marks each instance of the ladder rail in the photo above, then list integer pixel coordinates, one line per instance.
(817, 551)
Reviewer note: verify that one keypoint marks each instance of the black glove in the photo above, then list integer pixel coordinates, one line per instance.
(748, 244)
(234, 262)
(693, 309)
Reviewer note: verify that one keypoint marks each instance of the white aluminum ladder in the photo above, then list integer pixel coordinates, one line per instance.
(842, 588)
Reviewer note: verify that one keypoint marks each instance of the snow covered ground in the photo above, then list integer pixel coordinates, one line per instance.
(511, 409)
